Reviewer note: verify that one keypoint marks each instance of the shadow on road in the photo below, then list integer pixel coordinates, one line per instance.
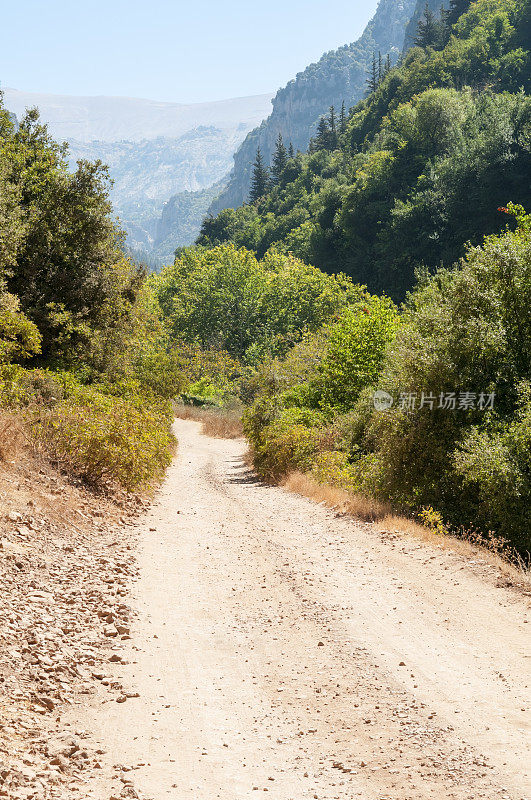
(242, 474)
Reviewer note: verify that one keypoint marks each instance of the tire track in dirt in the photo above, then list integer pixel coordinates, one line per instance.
(277, 647)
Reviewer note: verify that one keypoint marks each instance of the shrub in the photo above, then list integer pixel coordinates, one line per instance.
(160, 372)
(289, 441)
(468, 328)
(19, 338)
(333, 467)
(22, 387)
(496, 464)
(356, 349)
(106, 439)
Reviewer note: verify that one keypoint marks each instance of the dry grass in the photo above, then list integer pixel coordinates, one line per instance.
(517, 575)
(11, 436)
(219, 423)
(365, 508)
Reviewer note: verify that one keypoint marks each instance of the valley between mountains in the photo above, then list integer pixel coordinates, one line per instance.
(258, 642)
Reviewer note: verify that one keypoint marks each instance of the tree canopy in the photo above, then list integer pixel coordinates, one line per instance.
(425, 160)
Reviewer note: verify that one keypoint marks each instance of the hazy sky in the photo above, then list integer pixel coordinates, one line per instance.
(180, 50)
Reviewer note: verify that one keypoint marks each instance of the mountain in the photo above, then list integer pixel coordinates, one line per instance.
(428, 161)
(338, 76)
(111, 119)
(154, 151)
(149, 172)
(180, 221)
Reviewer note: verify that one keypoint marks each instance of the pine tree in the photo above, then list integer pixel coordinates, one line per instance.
(427, 29)
(260, 179)
(280, 159)
(291, 151)
(380, 68)
(332, 137)
(332, 119)
(455, 10)
(322, 140)
(387, 65)
(445, 28)
(343, 118)
(372, 79)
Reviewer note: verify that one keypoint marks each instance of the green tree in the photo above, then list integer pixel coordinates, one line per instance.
(342, 118)
(356, 350)
(427, 29)
(372, 76)
(260, 181)
(224, 298)
(332, 125)
(322, 139)
(66, 264)
(280, 160)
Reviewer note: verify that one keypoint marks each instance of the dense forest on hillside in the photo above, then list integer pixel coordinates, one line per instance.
(426, 159)
(338, 76)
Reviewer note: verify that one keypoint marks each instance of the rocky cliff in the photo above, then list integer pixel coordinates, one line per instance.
(147, 174)
(338, 76)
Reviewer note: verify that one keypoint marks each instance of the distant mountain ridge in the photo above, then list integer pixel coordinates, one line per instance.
(340, 75)
(149, 173)
(111, 119)
(154, 151)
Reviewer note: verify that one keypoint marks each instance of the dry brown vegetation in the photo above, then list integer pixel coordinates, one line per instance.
(11, 435)
(371, 510)
(219, 423)
(367, 509)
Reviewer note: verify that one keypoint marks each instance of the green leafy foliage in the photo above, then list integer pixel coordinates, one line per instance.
(441, 142)
(60, 252)
(19, 338)
(356, 349)
(320, 377)
(225, 299)
(465, 329)
(71, 301)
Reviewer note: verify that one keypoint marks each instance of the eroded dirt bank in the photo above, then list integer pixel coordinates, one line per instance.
(66, 562)
(276, 647)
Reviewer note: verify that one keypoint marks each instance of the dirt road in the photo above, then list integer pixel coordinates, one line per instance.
(279, 648)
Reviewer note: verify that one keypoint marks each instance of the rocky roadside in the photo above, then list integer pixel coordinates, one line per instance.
(66, 559)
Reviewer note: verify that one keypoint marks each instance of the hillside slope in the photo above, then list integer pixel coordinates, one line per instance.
(429, 160)
(338, 76)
